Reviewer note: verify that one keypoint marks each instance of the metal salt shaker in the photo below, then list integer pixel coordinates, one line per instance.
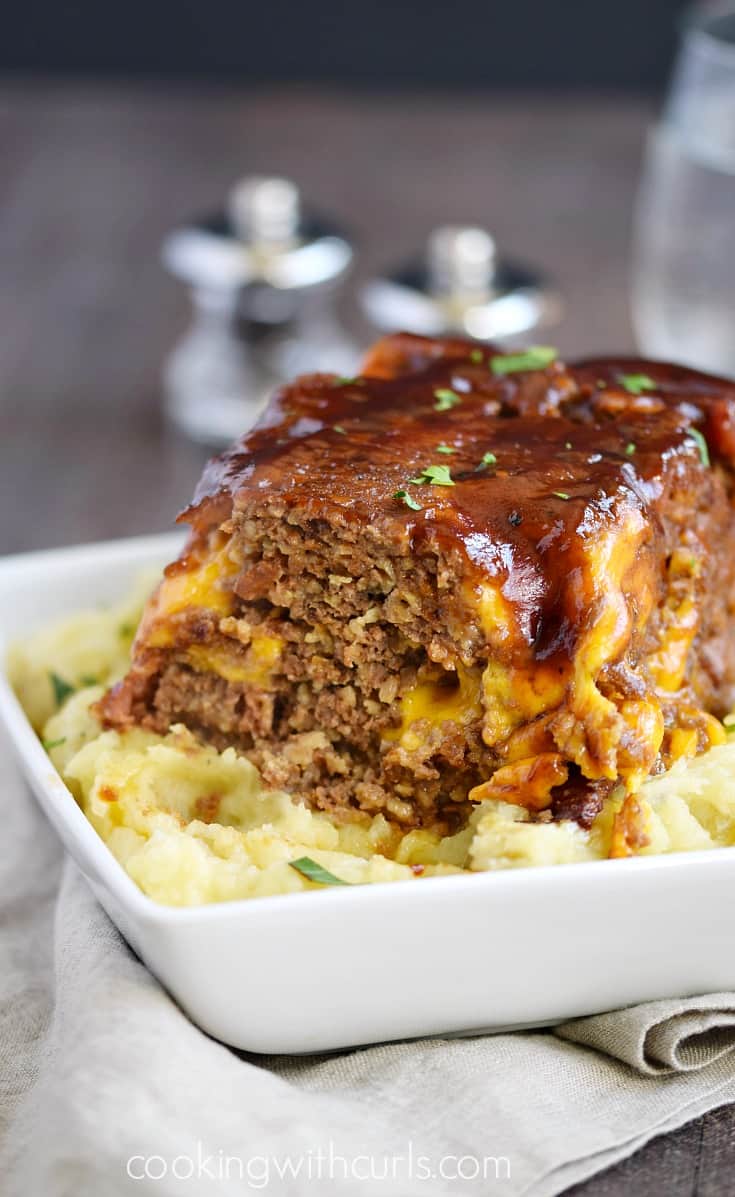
(262, 277)
(460, 285)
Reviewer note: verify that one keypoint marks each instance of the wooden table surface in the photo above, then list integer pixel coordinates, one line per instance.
(92, 178)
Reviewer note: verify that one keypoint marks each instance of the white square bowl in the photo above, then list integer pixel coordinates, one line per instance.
(340, 967)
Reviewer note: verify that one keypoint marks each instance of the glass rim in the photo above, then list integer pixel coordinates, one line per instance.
(699, 24)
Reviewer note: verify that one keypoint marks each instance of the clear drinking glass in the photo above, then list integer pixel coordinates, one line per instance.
(684, 254)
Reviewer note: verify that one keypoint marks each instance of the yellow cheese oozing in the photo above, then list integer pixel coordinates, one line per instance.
(253, 667)
(200, 587)
(437, 702)
(203, 587)
(667, 665)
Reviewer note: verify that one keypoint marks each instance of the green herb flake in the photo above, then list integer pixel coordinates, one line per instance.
(49, 744)
(315, 872)
(630, 449)
(345, 381)
(126, 630)
(560, 494)
(488, 459)
(636, 384)
(404, 497)
(61, 688)
(434, 475)
(695, 435)
(88, 679)
(338, 428)
(445, 399)
(445, 449)
(535, 358)
(476, 356)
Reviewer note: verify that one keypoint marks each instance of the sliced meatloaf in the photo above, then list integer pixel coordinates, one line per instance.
(460, 575)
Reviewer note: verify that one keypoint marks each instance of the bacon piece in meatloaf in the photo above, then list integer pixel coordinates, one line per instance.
(455, 575)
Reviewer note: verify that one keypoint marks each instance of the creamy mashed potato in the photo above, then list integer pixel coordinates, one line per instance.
(193, 825)
(81, 650)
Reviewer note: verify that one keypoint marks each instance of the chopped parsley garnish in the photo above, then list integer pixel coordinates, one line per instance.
(476, 356)
(560, 494)
(345, 381)
(445, 449)
(315, 872)
(49, 744)
(61, 688)
(535, 358)
(404, 497)
(88, 679)
(695, 435)
(338, 428)
(445, 399)
(488, 459)
(635, 384)
(515, 518)
(125, 630)
(434, 475)
(630, 449)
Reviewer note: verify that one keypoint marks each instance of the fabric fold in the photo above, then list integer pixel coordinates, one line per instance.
(657, 1038)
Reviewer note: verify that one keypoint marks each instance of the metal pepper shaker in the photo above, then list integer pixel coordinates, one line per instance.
(262, 276)
(461, 285)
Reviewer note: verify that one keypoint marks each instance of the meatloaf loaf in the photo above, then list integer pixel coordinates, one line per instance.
(461, 575)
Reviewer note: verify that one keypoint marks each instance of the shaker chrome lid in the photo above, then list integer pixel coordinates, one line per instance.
(263, 238)
(461, 285)
(265, 212)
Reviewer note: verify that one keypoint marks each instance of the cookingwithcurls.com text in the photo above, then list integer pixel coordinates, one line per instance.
(261, 1171)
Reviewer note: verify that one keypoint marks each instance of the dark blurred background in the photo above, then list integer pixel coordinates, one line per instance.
(118, 122)
(552, 44)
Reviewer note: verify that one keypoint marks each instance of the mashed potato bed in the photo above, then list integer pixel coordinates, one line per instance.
(192, 825)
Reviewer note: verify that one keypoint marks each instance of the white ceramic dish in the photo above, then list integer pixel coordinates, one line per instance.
(315, 971)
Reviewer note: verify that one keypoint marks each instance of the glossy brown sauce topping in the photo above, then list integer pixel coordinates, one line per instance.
(540, 460)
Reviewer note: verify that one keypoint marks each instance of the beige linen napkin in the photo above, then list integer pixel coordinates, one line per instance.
(106, 1088)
